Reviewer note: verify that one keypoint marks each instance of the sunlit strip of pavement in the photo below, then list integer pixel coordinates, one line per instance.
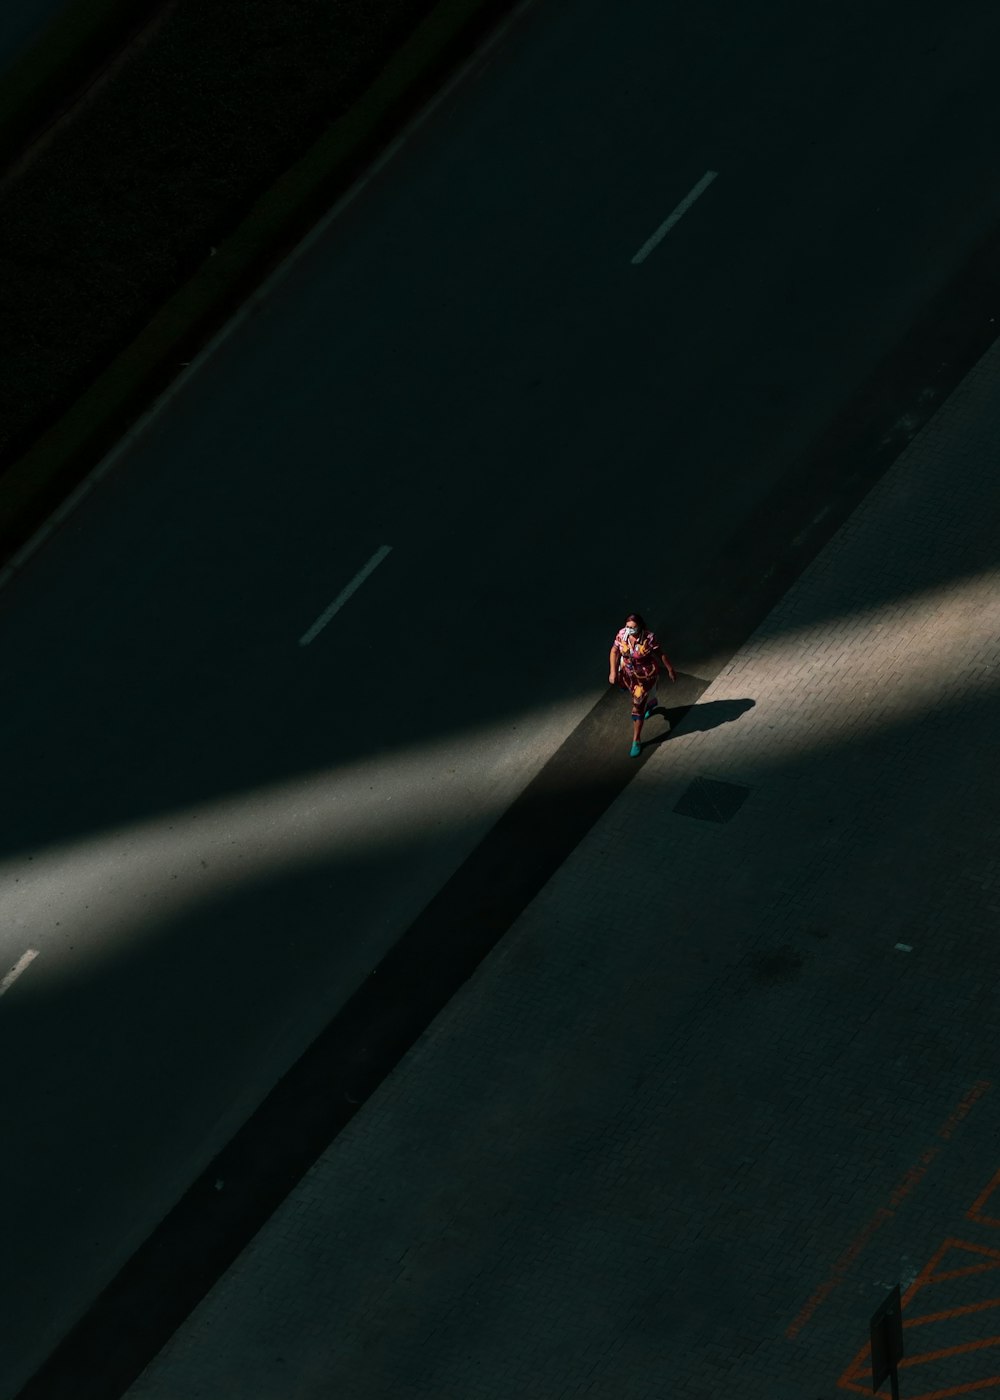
(134, 878)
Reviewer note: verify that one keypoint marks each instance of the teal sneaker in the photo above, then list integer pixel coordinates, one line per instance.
(634, 750)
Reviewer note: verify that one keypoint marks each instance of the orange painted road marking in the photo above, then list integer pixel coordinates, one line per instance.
(975, 1211)
(857, 1376)
(953, 1312)
(884, 1213)
(839, 1269)
(976, 1092)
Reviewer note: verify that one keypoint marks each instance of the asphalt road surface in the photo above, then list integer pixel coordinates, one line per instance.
(210, 831)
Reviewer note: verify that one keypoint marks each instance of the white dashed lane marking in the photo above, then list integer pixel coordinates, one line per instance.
(345, 593)
(17, 969)
(669, 222)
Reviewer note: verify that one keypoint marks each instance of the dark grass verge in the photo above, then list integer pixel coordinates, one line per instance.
(236, 127)
(51, 75)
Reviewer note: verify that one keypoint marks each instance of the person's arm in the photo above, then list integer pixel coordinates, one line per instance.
(613, 665)
(667, 666)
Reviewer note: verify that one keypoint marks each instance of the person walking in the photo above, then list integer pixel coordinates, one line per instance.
(635, 661)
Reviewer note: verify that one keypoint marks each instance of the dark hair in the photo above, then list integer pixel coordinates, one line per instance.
(638, 619)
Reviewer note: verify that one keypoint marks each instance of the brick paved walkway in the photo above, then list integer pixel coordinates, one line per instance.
(724, 1082)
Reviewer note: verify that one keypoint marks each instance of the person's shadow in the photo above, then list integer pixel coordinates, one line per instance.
(697, 717)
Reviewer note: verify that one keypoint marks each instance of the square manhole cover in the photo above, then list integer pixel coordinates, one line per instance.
(709, 800)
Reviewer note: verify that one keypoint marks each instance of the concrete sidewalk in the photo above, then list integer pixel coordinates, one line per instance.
(733, 1074)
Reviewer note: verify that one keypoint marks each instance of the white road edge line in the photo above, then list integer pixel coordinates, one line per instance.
(17, 969)
(681, 209)
(319, 229)
(345, 593)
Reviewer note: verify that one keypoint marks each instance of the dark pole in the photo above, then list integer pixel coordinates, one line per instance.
(886, 1330)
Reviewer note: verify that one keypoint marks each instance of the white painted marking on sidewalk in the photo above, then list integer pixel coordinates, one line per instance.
(904, 947)
(681, 209)
(17, 969)
(345, 593)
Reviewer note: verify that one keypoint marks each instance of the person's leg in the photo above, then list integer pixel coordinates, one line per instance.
(636, 731)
